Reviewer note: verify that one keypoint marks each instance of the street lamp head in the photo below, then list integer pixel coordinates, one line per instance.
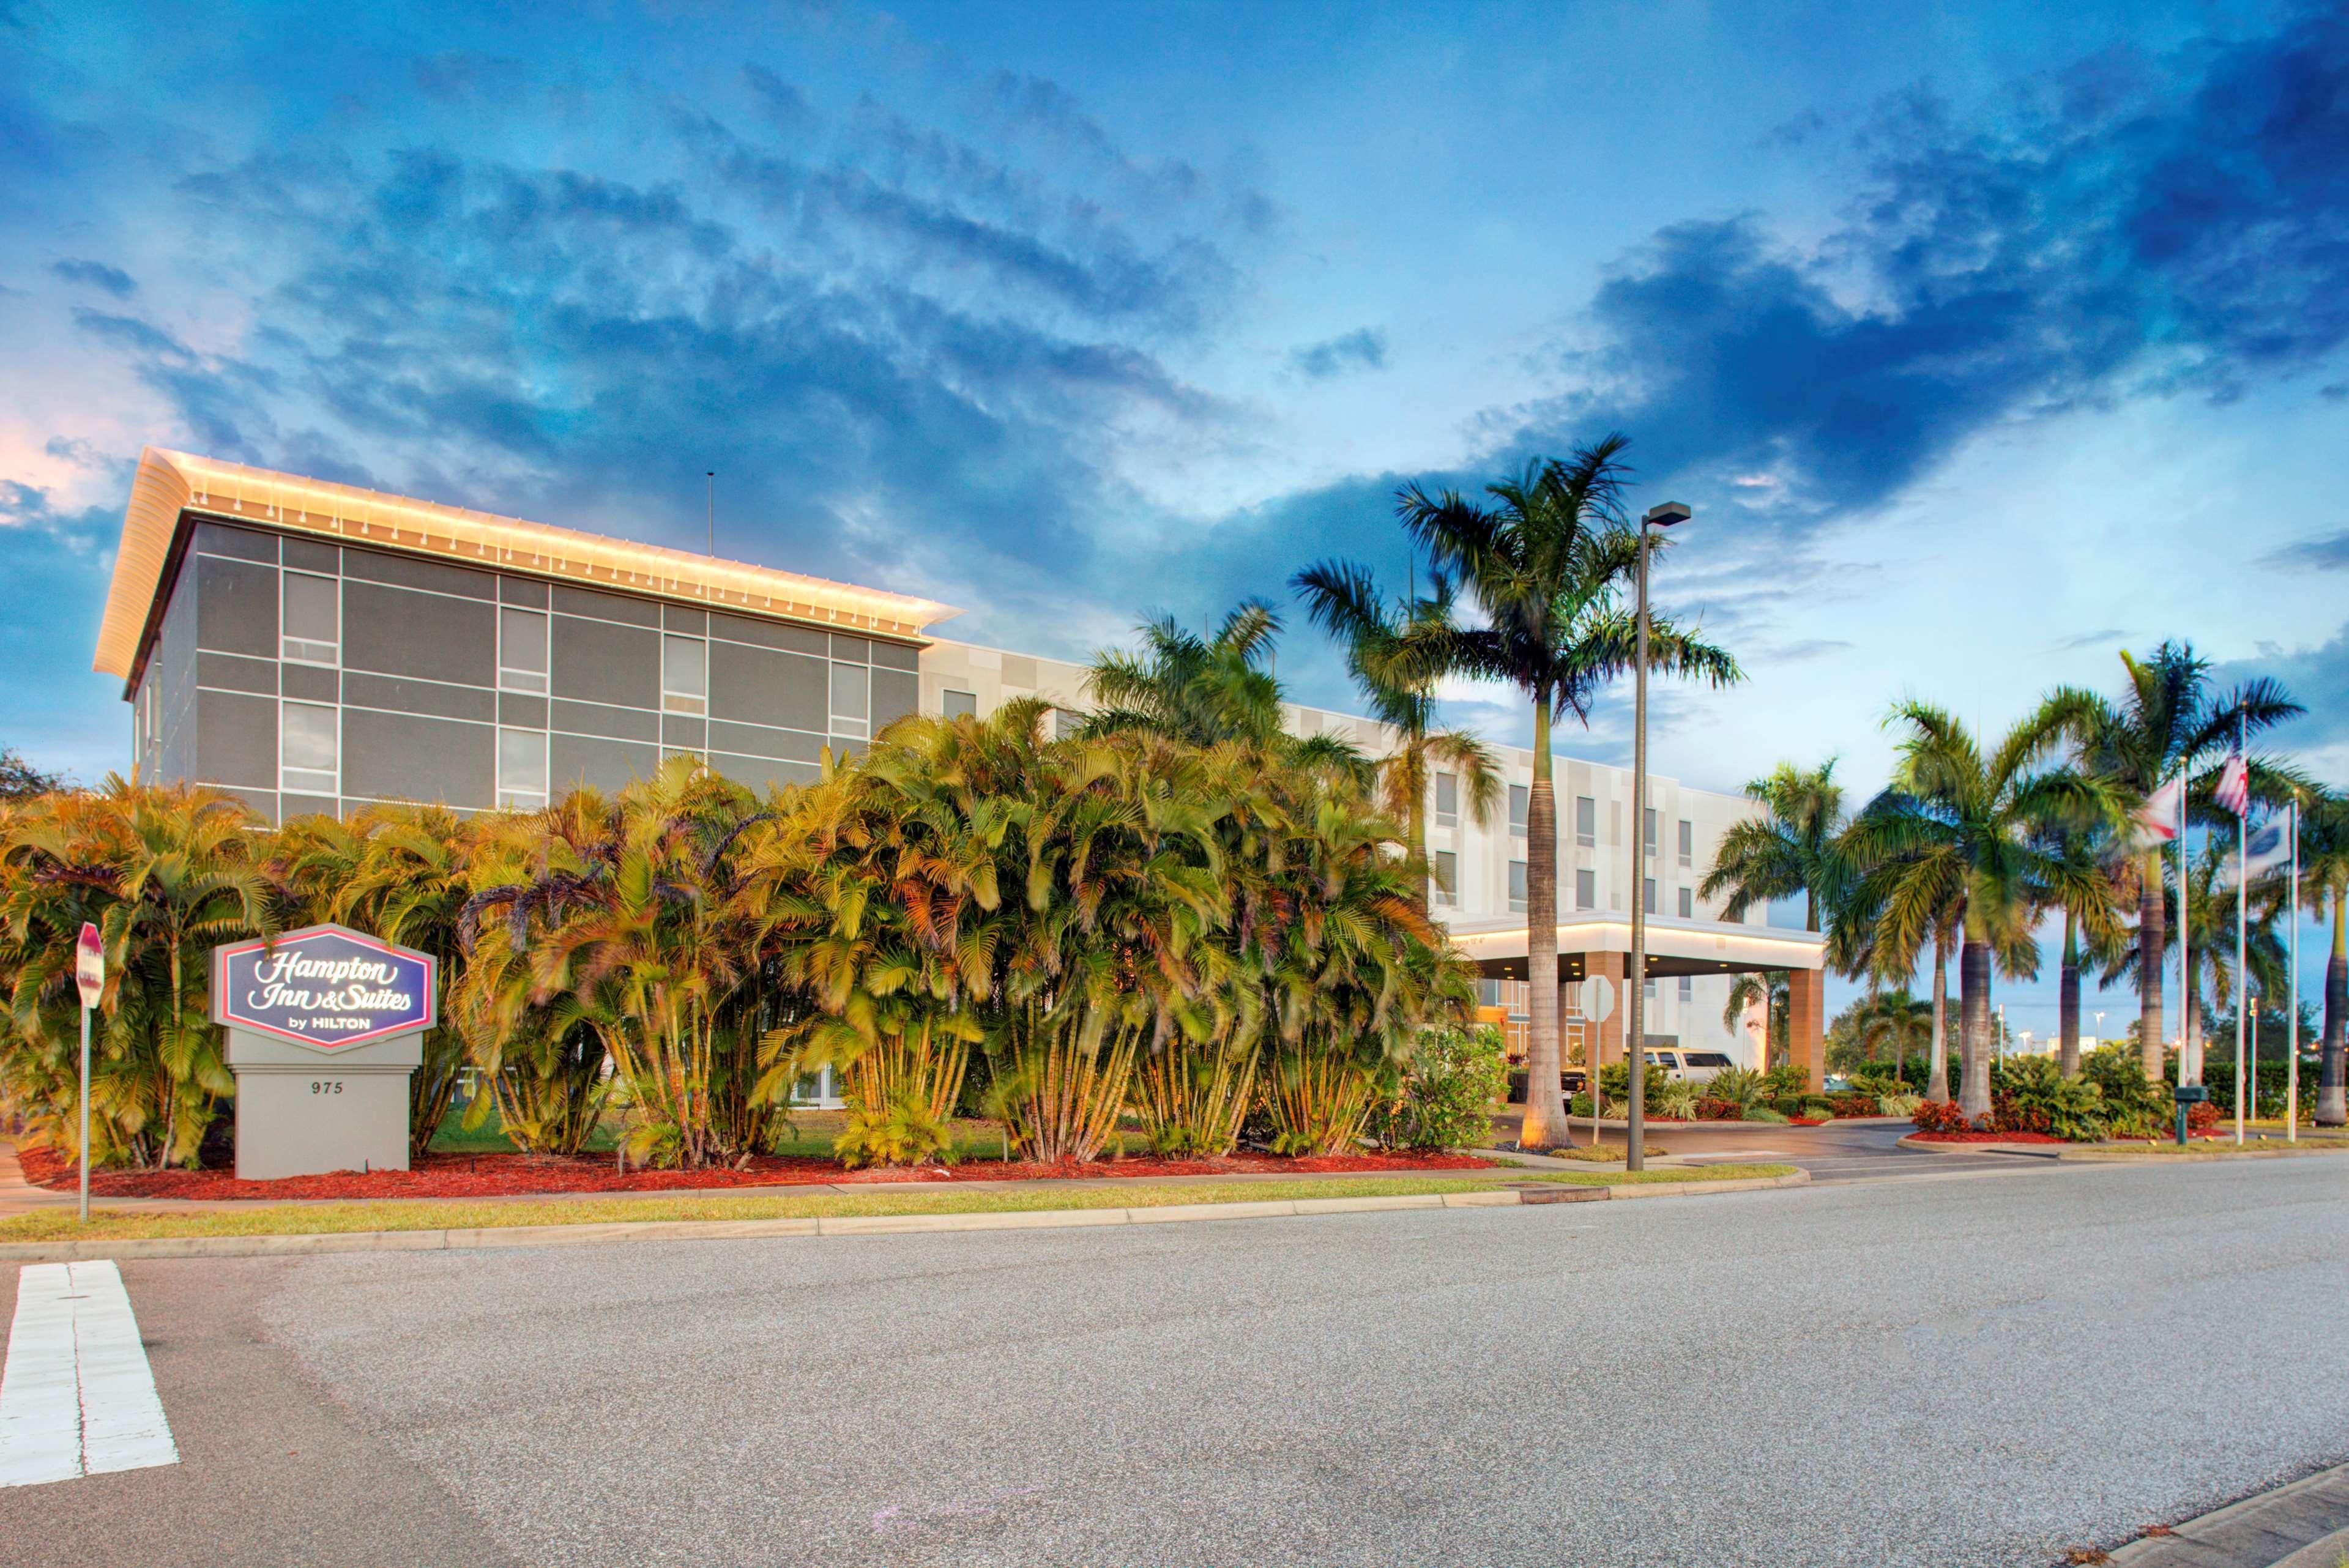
(1666, 514)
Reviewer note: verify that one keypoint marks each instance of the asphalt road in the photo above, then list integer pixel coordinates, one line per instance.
(1970, 1369)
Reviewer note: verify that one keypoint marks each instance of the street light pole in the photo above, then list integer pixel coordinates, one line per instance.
(1636, 1045)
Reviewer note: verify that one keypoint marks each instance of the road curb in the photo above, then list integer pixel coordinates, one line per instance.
(471, 1240)
(2093, 1154)
(2297, 1525)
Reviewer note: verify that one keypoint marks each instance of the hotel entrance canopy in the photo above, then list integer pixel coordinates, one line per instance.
(1674, 946)
(1593, 944)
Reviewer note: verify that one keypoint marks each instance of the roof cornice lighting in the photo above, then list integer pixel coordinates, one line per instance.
(168, 483)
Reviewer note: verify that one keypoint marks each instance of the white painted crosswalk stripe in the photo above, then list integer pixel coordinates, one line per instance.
(77, 1395)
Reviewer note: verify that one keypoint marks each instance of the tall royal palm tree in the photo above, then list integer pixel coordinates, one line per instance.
(1547, 557)
(1377, 635)
(2324, 884)
(2167, 721)
(1960, 832)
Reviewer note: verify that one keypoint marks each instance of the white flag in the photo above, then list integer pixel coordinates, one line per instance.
(2265, 853)
(2234, 790)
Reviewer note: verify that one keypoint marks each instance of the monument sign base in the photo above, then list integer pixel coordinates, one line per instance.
(301, 1112)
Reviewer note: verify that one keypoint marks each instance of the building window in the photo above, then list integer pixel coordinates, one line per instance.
(851, 687)
(1586, 889)
(1649, 988)
(1688, 842)
(1521, 802)
(1688, 903)
(1648, 895)
(522, 650)
(1447, 799)
(1648, 830)
(962, 704)
(522, 769)
(1585, 820)
(1688, 990)
(309, 749)
(1517, 886)
(1447, 877)
(312, 620)
(685, 674)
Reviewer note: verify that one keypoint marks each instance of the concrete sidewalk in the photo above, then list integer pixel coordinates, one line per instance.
(2305, 1524)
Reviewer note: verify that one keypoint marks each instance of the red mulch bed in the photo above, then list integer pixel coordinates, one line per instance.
(517, 1175)
(1986, 1138)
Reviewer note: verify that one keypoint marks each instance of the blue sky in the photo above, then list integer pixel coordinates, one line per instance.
(1985, 340)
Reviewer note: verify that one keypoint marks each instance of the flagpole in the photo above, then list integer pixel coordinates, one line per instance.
(2292, 1010)
(2242, 928)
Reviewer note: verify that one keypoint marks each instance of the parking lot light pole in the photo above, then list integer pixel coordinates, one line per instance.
(1635, 1044)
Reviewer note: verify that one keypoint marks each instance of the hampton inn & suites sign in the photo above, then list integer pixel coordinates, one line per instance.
(324, 1025)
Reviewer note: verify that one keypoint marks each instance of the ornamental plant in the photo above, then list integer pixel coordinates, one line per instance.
(1447, 1092)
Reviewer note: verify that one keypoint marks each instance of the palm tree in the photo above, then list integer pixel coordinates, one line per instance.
(1959, 832)
(1344, 602)
(1791, 849)
(2085, 850)
(2324, 881)
(1894, 1019)
(2167, 721)
(167, 874)
(1548, 563)
(1216, 690)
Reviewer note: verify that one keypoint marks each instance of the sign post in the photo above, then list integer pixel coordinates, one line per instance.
(325, 1025)
(1596, 996)
(90, 979)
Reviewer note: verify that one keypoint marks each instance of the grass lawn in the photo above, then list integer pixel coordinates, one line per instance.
(310, 1219)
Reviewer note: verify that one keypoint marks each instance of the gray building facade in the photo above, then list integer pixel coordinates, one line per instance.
(311, 674)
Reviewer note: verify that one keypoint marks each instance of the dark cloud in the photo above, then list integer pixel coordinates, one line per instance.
(2329, 553)
(97, 276)
(1364, 348)
(784, 106)
(2175, 227)
(2316, 677)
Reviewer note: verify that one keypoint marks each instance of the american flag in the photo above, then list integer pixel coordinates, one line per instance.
(2234, 790)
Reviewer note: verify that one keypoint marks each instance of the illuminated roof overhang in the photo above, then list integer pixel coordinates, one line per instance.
(168, 483)
(1677, 946)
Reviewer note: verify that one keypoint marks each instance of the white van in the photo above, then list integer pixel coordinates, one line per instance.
(1693, 1067)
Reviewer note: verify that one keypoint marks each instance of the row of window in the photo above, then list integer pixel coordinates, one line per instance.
(1586, 887)
(1586, 816)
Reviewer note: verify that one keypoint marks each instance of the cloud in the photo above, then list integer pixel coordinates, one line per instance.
(97, 276)
(2329, 553)
(1364, 348)
(460, 74)
(2314, 677)
(2110, 634)
(2177, 230)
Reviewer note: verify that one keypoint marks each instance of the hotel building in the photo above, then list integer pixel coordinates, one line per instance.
(315, 646)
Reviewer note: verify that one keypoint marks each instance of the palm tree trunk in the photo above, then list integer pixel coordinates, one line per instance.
(2332, 1103)
(1973, 1013)
(1416, 817)
(2067, 1001)
(1545, 1123)
(1937, 1073)
(2152, 953)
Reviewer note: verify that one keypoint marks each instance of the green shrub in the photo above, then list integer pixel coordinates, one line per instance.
(2133, 1106)
(1788, 1104)
(2035, 1097)
(1741, 1086)
(1899, 1104)
(1449, 1090)
(905, 1133)
(1819, 1109)
(1786, 1081)
(1675, 1098)
(1762, 1113)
